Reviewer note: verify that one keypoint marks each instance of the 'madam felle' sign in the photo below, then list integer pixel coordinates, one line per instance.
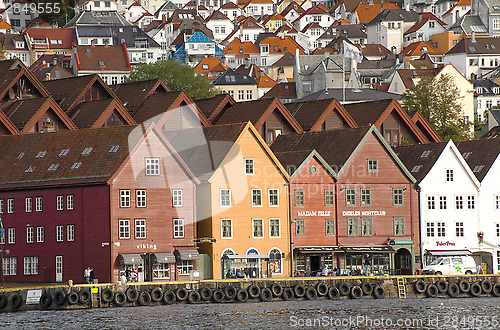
(313, 213)
(362, 213)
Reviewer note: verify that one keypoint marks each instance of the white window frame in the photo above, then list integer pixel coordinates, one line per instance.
(30, 234)
(152, 166)
(40, 234)
(443, 201)
(125, 225)
(271, 235)
(222, 221)
(471, 202)
(140, 228)
(60, 203)
(440, 229)
(10, 205)
(59, 233)
(254, 221)
(270, 193)
(223, 202)
(430, 229)
(449, 175)
(255, 193)
(249, 164)
(28, 203)
(38, 204)
(178, 225)
(184, 267)
(11, 235)
(70, 202)
(124, 198)
(1, 206)
(459, 229)
(70, 233)
(140, 198)
(177, 198)
(30, 265)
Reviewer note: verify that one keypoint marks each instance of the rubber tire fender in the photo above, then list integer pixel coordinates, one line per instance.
(453, 290)
(107, 295)
(379, 291)
(120, 298)
(276, 289)
(156, 295)
(311, 293)
(132, 294)
(266, 294)
(144, 298)
(475, 289)
(356, 292)
(299, 290)
(60, 297)
(181, 294)
(84, 296)
(16, 301)
(169, 297)
(242, 296)
(333, 293)
(344, 288)
(464, 285)
(420, 286)
(218, 296)
(205, 293)
(322, 289)
(230, 292)
(194, 297)
(431, 291)
(495, 290)
(486, 286)
(45, 300)
(367, 288)
(72, 298)
(441, 285)
(253, 291)
(287, 294)
(3, 301)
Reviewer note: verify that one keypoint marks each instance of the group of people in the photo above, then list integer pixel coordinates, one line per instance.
(130, 275)
(88, 274)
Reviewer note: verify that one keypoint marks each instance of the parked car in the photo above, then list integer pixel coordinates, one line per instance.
(457, 265)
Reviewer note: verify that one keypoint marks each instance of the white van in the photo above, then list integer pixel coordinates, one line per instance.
(457, 265)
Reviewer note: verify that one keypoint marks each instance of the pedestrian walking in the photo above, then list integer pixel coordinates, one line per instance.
(86, 275)
(367, 263)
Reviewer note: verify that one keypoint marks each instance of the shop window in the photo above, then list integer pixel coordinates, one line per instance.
(275, 261)
(161, 271)
(184, 267)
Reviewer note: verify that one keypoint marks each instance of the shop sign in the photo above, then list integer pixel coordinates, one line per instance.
(313, 213)
(147, 246)
(447, 243)
(362, 213)
(33, 297)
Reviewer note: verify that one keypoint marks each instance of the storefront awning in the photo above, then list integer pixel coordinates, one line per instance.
(368, 249)
(164, 258)
(449, 252)
(247, 256)
(187, 254)
(318, 249)
(130, 259)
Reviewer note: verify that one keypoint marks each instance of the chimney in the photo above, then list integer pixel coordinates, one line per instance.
(54, 61)
(163, 18)
(47, 76)
(473, 37)
(381, 8)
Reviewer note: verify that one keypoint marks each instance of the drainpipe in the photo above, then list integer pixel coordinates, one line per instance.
(290, 224)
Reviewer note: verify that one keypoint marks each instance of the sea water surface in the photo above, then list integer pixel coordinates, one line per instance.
(465, 313)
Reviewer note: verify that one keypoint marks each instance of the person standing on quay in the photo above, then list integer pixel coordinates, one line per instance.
(91, 275)
(366, 262)
(86, 275)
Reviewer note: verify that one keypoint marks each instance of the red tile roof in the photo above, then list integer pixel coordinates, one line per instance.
(57, 38)
(102, 58)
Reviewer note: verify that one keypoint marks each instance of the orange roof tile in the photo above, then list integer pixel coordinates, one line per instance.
(279, 45)
(414, 48)
(265, 82)
(341, 22)
(367, 12)
(5, 25)
(212, 63)
(234, 47)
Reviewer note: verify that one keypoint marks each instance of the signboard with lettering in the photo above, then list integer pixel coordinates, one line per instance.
(33, 297)
(447, 243)
(313, 213)
(362, 213)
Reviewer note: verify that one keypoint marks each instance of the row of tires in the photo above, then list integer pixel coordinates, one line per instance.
(47, 299)
(475, 289)
(232, 294)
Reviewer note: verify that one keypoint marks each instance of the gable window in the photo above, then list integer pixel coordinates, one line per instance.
(177, 198)
(372, 165)
(449, 175)
(273, 195)
(60, 203)
(256, 197)
(152, 166)
(352, 226)
(28, 202)
(258, 228)
(249, 168)
(226, 228)
(299, 197)
(300, 227)
(178, 228)
(366, 198)
(140, 198)
(329, 227)
(124, 228)
(350, 196)
(225, 197)
(274, 227)
(124, 198)
(397, 196)
(329, 197)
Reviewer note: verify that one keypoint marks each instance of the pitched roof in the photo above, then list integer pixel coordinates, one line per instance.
(133, 94)
(212, 106)
(96, 113)
(480, 155)
(58, 38)
(279, 45)
(493, 133)
(486, 45)
(398, 15)
(102, 58)
(415, 49)
(351, 94)
(425, 19)
(420, 158)
(265, 81)
(366, 11)
(230, 77)
(374, 50)
(288, 59)
(282, 91)
(236, 46)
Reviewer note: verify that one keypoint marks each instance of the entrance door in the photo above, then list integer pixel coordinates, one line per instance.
(147, 267)
(59, 268)
(315, 267)
(402, 262)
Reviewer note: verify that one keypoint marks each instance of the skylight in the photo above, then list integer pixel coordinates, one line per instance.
(41, 154)
(472, 48)
(86, 151)
(21, 155)
(63, 153)
(416, 168)
(75, 166)
(114, 149)
(53, 167)
(88, 51)
(425, 154)
(478, 168)
(30, 169)
(101, 63)
(466, 154)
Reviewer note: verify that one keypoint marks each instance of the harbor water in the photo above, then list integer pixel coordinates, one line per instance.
(462, 313)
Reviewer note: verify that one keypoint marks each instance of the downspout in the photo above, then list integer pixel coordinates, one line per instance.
(291, 226)
(337, 222)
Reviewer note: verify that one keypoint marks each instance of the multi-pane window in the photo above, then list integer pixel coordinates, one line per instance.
(352, 226)
(397, 196)
(152, 166)
(274, 227)
(1, 206)
(430, 229)
(161, 270)
(124, 198)
(459, 229)
(28, 202)
(11, 233)
(459, 202)
(124, 228)
(300, 227)
(273, 195)
(299, 197)
(431, 202)
(59, 233)
(70, 202)
(497, 229)
(225, 197)
(184, 267)
(70, 233)
(140, 198)
(226, 228)
(249, 170)
(329, 197)
(442, 202)
(372, 165)
(366, 197)
(329, 227)
(399, 226)
(497, 203)
(449, 175)
(60, 203)
(366, 226)
(258, 228)
(38, 204)
(178, 228)
(471, 203)
(40, 234)
(9, 266)
(29, 234)
(350, 196)
(177, 198)
(140, 228)
(256, 197)
(30, 265)
(275, 260)
(10, 205)
(441, 229)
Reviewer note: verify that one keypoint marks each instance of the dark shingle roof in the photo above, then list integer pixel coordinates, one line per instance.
(351, 94)
(22, 111)
(282, 91)
(480, 155)
(291, 160)
(307, 113)
(367, 113)
(480, 46)
(245, 111)
(419, 158)
(66, 91)
(208, 106)
(133, 94)
(87, 113)
(155, 105)
(230, 77)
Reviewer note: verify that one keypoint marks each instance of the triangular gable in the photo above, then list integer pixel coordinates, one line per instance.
(277, 105)
(394, 106)
(7, 125)
(321, 160)
(48, 106)
(425, 127)
(199, 37)
(225, 104)
(15, 77)
(373, 129)
(334, 106)
(114, 108)
(451, 145)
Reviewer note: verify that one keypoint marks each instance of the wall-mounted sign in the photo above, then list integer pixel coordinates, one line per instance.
(147, 246)
(447, 243)
(313, 213)
(362, 213)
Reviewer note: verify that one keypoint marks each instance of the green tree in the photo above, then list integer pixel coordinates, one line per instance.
(438, 99)
(177, 76)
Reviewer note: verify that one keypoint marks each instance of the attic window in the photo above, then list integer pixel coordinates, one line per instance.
(63, 153)
(205, 66)
(101, 63)
(53, 167)
(425, 154)
(286, 87)
(416, 168)
(30, 169)
(250, 24)
(466, 155)
(75, 166)
(134, 29)
(88, 51)
(114, 149)
(478, 168)
(229, 47)
(276, 48)
(86, 151)
(472, 48)
(41, 154)
(21, 155)
(120, 29)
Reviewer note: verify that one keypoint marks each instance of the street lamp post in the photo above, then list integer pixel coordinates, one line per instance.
(289, 185)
